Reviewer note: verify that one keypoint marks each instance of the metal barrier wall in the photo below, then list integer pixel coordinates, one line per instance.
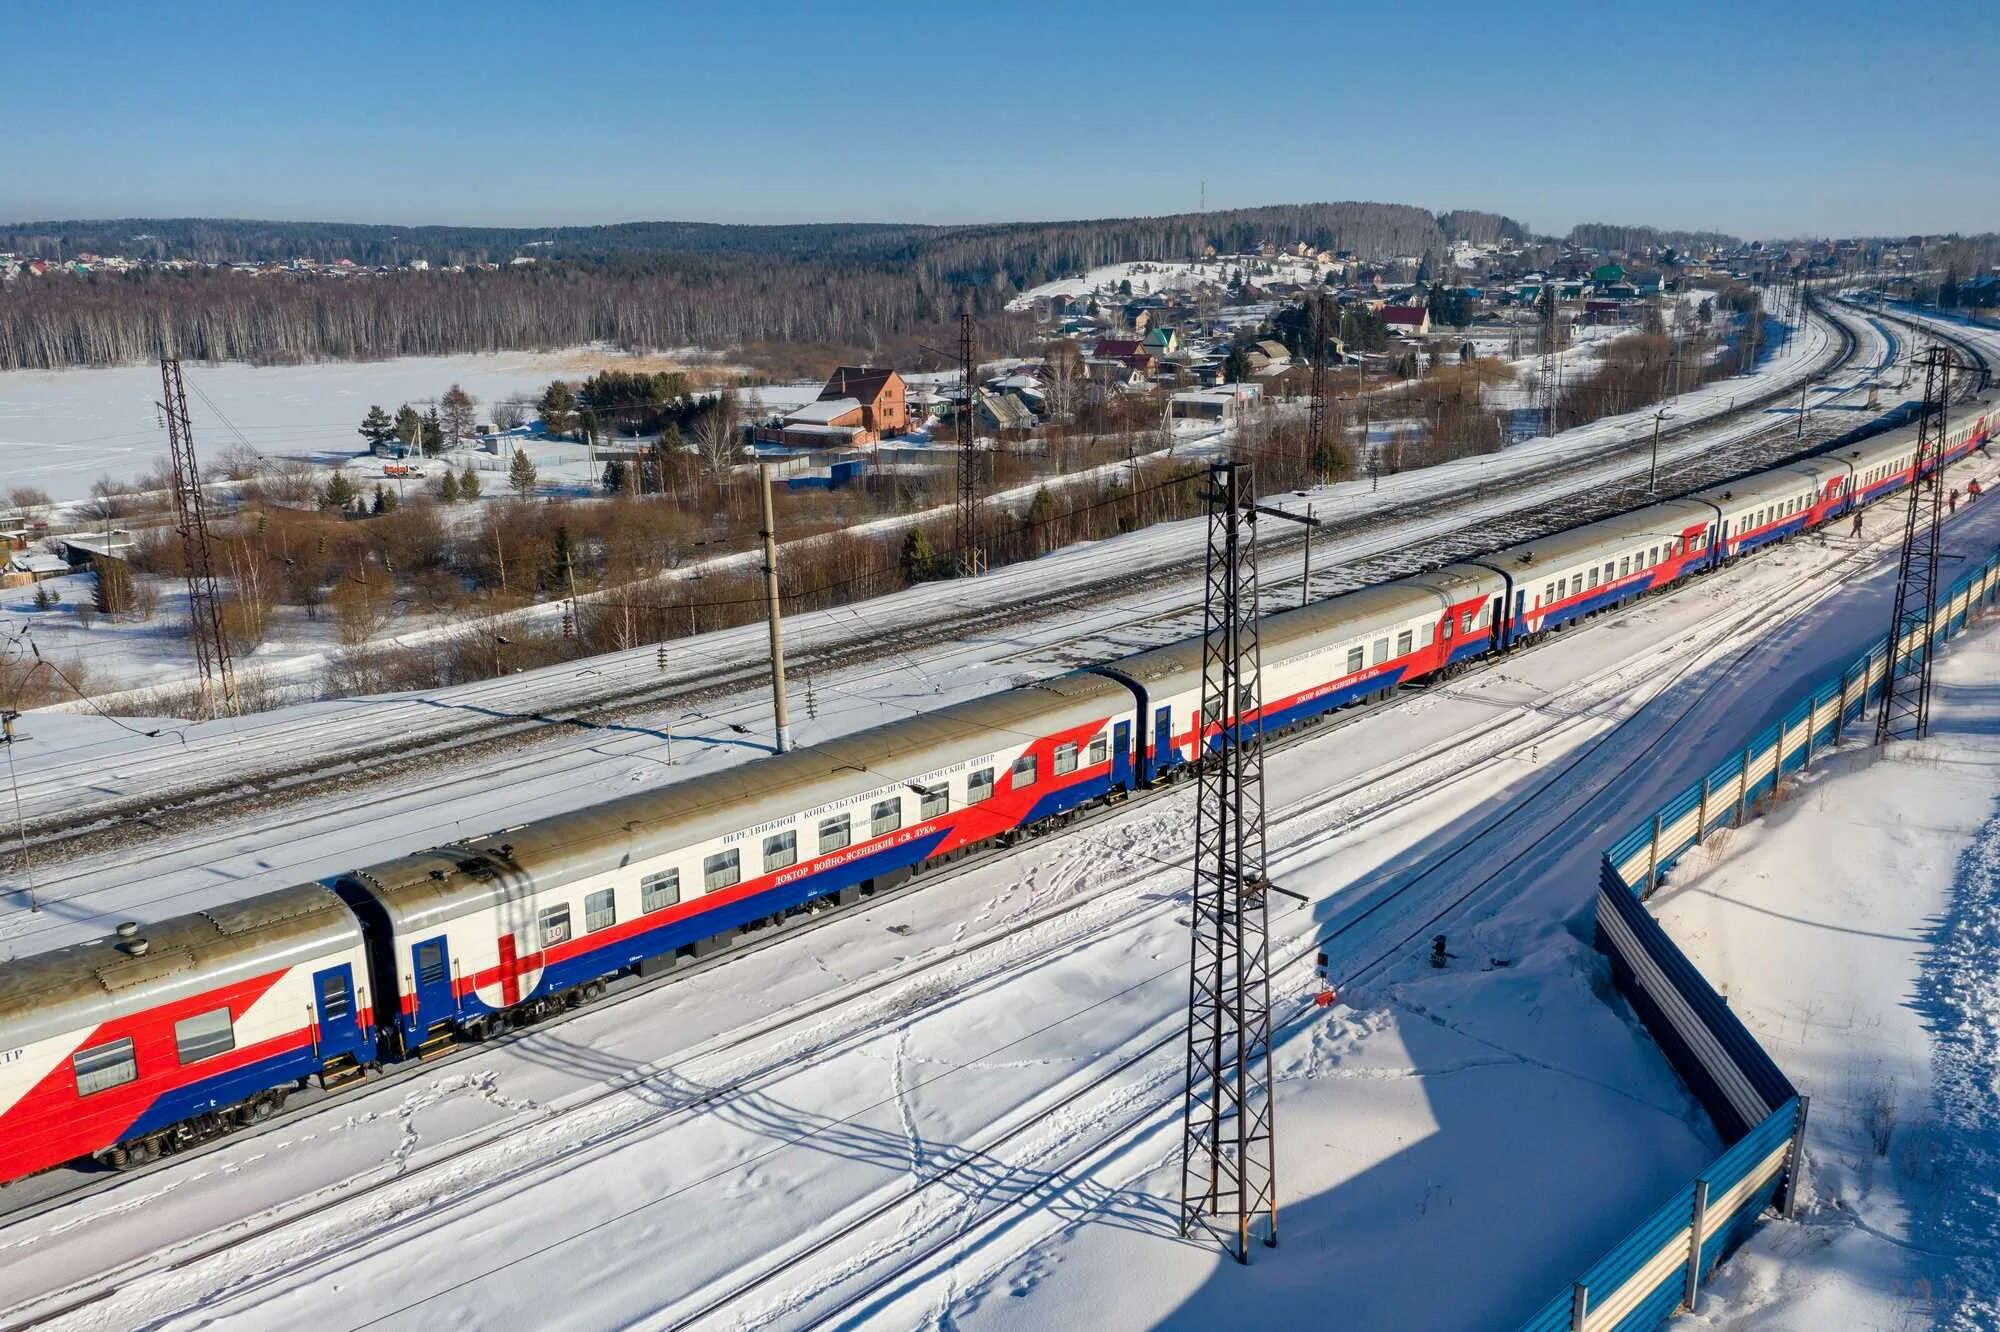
(1658, 1269)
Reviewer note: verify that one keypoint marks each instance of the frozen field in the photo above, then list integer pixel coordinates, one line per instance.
(63, 429)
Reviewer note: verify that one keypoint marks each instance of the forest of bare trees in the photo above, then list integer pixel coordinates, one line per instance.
(696, 285)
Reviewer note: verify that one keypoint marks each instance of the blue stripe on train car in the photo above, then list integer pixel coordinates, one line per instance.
(237, 1085)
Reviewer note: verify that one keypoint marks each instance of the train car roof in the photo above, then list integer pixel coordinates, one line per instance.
(78, 987)
(1559, 550)
(444, 882)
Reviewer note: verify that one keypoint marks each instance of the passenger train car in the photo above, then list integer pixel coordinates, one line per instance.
(166, 1034)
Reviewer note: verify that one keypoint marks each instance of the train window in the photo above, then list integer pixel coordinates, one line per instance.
(1485, 615)
(1381, 651)
(335, 1002)
(1355, 660)
(1211, 711)
(1246, 700)
(204, 1036)
(1444, 630)
(1549, 592)
(555, 924)
(1430, 632)
(979, 786)
(1405, 641)
(1625, 566)
(1562, 588)
(1652, 557)
(103, 1066)
(935, 802)
(1024, 771)
(659, 891)
(835, 833)
(1065, 760)
(430, 964)
(886, 816)
(1100, 750)
(722, 870)
(781, 850)
(600, 911)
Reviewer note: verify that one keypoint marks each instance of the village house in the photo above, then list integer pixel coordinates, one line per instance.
(857, 405)
(1411, 320)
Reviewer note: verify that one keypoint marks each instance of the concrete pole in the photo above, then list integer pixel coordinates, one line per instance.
(779, 710)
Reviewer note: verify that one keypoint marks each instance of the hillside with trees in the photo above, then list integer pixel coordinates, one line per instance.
(640, 285)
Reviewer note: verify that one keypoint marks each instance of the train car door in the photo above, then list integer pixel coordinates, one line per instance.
(339, 1015)
(1121, 754)
(430, 966)
(1163, 737)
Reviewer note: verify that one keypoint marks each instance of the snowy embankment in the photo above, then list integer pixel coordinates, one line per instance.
(991, 1140)
(1856, 931)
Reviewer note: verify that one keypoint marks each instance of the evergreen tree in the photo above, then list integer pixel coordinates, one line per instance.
(448, 486)
(1236, 368)
(521, 474)
(468, 483)
(457, 414)
(45, 597)
(558, 407)
(562, 559)
(614, 477)
(337, 494)
(377, 428)
(1125, 287)
(919, 560)
(409, 427)
(433, 432)
(385, 500)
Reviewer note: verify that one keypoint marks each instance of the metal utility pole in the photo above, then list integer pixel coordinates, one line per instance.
(1653, 475)
(971, 549)
(1906, 692)
(779, 710)
(211, 643)
(1228, 1161)
(1316, 411)
(1549, 355)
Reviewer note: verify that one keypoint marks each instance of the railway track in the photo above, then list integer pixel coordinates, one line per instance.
(1541, 729)
(499, 723)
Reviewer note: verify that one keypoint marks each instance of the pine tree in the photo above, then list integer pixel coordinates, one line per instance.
(1236, 368)
(385, 500)
(337, 494)
(521, 474)
(614, 477)
(448, 486)
(45, 597)
(409, 426)
(457, 414)
(558, 406)
(919, 560)
(468, 483)
(377, 428)
(432, 434)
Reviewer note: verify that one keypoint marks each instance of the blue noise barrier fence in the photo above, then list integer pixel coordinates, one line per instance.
(1659, 1268)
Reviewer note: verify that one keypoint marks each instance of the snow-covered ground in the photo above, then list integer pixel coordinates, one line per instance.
(147, 653)
(989, 1138)
(63, 429)
(1151, 277)
(1856, 931)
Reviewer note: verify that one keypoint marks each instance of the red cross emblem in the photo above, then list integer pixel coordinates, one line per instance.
(512, 967)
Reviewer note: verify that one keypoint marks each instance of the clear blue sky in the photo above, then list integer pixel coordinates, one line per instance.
(1761, 117)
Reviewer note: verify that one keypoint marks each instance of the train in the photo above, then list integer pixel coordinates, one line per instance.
(166, 1034)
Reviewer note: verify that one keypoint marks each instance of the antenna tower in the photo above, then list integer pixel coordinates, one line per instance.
(1906, 693)
(211, 643)
(1228, 1161)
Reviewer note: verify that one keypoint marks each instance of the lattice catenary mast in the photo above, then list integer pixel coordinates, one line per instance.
(211, 643)
(1906, 693)
(1228, 1163)
(971, 547)
(1316, 452)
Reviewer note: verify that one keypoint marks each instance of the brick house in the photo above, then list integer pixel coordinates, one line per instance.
(880, 393)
